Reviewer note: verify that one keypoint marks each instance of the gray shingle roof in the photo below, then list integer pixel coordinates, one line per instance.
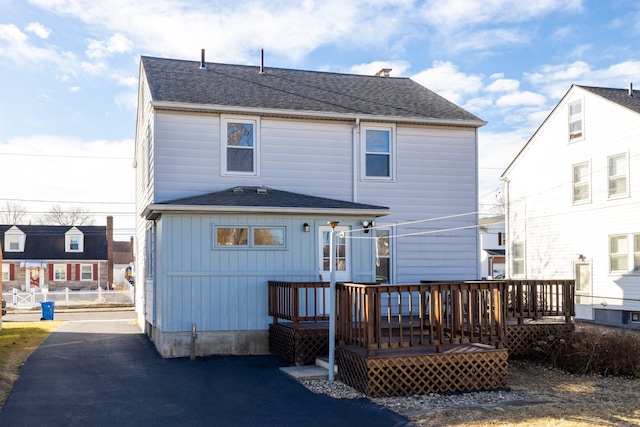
(180, 81)
(619, 96)
(270, 198)
(46, 242)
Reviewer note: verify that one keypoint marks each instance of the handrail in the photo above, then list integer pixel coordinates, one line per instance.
(298, 301)
(535, 299)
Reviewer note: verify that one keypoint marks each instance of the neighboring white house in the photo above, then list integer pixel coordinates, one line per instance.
(240, 168)
(492, 247)
(573, 207)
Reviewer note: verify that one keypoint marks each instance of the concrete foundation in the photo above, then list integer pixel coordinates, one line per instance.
(209, 343)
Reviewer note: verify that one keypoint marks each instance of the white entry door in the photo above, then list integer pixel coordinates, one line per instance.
(583, 303)
(343, 253)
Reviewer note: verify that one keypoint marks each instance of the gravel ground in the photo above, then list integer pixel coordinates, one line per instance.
(538, 396)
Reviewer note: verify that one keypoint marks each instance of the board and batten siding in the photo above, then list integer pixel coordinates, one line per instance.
(223, 289)
(541, 212)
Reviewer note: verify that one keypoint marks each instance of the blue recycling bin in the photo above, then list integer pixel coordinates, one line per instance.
(47, 310)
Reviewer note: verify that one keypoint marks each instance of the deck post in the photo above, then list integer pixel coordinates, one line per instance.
(332, 298)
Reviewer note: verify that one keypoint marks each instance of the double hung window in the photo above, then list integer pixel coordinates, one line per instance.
(617, 175)
(240, 144)
(575, 120)
(581, 182)
(378, 147)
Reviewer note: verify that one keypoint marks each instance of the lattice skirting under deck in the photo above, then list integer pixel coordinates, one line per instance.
(380, 376)
(522, 339)
(299, 347)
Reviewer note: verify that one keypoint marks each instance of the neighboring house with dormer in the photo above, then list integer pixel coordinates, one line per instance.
(56, 257)
(492, 247)
(573, 205)
(240, 169)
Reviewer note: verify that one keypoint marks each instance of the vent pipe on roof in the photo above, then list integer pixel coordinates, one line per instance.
(630, 90)
(202, 66)
(261, 61)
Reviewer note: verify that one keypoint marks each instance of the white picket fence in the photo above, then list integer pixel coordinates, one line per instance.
(32, 299)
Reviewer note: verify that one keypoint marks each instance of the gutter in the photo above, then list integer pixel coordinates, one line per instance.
(153, 211)
(279, 112)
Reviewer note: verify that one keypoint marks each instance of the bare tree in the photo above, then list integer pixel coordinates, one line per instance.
(73, 216)
(12, 213)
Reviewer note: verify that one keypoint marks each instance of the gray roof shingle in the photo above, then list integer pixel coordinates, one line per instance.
(179, 81)
(619, 96)
(269, 198)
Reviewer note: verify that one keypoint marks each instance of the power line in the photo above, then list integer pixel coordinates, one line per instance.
(67, 156)
(58, 201)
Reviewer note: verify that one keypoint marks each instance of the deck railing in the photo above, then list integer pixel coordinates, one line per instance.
(375, 316)
(431, 313)
(536, 299)
(298, 301)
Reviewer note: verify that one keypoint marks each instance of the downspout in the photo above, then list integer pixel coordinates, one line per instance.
(355, 132)
(477, 204)
(507, 257)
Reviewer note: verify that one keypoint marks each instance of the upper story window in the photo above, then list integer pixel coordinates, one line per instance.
(581, 182)
(617, 175)
(149, 155)
(575, 120)
(378, 147)
(240, 145)
(74, 240)
(14, 240)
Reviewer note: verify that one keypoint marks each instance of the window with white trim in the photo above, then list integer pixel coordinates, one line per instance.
(618, 253)
(383, 256)
(6, 268)
(150, 249)
(250, 237)
(581, 182)
(378, 148)
(14, 240)
(617, 175)
(59, 272)
(517, 259)
(86, 272)
(240, 146)
(575, 120)
(74, 240)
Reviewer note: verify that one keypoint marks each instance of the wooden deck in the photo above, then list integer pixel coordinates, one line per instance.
(431, 337)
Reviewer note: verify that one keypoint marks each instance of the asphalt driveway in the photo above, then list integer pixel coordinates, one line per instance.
(106, 373)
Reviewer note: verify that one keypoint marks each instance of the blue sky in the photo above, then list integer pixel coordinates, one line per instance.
(69, 72)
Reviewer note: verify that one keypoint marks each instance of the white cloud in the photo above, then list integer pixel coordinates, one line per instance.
(117, 43)
(398, 68)
(503, 85)
(38, 29)
(75, 89)
(517, 99)
(235, 31)
(448, 81)
(454, 14)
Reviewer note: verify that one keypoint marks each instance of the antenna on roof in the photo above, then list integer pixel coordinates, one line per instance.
(202, 66)
(261, 61)
(630, 90)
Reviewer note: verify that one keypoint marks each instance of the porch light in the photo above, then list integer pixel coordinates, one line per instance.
(367, 225)
(305, 227)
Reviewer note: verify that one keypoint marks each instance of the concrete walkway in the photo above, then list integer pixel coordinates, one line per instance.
(106, 373)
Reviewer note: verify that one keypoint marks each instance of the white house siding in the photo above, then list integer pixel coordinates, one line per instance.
(540, 209)
(436, 178)
(144, 196)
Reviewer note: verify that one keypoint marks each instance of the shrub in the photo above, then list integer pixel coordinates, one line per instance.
(591, 350)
